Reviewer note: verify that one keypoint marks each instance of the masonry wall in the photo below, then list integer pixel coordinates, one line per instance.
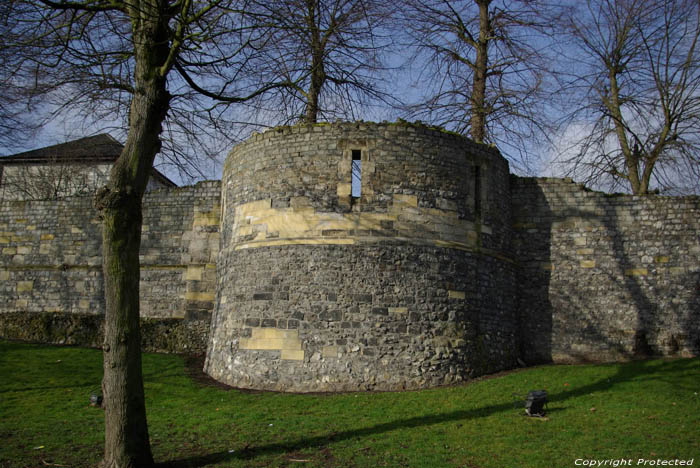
(443, 269)
(408, 286)
(605, 277)
(50, 258)
(55, 179)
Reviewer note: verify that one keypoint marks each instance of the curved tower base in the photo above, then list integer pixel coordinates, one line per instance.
(404, 287)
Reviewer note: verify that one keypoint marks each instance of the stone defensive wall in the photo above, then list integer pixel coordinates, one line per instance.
(408, 284)
(51, 269)
(364, 256)
(605, 277)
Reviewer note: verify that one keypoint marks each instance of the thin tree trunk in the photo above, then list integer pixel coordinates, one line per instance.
(313, 94)
(318, 72)
(126, 431)
(631, 154)
(477, 124)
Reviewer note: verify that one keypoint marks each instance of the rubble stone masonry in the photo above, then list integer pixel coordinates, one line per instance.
(605, 277)
(51, 264)
(442, 268)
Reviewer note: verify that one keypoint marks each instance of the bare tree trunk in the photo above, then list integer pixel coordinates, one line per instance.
(318, 73)
(317, 79)
(126, 432)
(631, 154)
(478, 100)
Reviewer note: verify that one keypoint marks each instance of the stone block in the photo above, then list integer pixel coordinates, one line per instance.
(330, 352)
(524, 226)
(248, 209)
(245, 230)
(363, 298)
(273, 343)
(199, 296)
(210, 218)
(445, 204)
(404, 201)
(300, 203)
(262, 296)
(485, 229)
(455, 294)
(292, 355)
(344, 190)
(25, 286)
(274, 333)
(587, 264)
(252, 322)
(636, 272)
(272, 339)
(194, 273)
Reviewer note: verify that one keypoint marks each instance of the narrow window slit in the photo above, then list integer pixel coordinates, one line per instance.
(477, 191)
(356, 191)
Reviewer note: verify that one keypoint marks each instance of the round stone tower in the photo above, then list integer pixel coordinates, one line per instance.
(362, 256)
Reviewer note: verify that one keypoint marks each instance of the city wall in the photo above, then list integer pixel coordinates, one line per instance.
(51, 268)
(446, 267)
(605, 277)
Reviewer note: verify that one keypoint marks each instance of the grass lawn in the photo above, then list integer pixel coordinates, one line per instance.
(638, 410)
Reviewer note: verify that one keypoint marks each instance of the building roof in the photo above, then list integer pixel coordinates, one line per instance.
(88, 150)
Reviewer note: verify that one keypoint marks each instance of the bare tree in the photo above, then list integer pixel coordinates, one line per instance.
(483, 66)
(330, 49)
(135, 60)
(635, 90)
(15, 128)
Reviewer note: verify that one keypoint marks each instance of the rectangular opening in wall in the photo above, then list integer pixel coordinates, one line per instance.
(477, 191)
(356, 174)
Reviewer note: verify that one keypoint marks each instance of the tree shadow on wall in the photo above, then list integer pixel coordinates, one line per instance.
(640, 371)
(585, 294)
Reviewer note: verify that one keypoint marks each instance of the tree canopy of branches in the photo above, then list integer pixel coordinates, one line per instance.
(485, 66)
(81, 65)
(143, 61)
(15, 126)
(635, 91)
(50, 181)
(331, 50)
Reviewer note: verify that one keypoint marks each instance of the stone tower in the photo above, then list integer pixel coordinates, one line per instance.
(362, 256)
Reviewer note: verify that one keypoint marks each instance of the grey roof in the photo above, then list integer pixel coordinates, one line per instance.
(94, 149)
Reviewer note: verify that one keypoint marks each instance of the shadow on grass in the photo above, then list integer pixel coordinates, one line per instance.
(634, 371)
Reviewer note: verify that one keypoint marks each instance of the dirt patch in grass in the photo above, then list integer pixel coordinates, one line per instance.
(324, 456)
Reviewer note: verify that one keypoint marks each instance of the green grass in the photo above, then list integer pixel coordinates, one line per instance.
(644, 409)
